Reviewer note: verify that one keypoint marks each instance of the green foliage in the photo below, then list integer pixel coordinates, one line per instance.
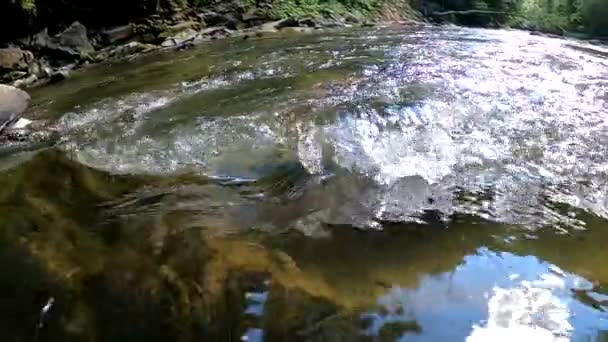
(563, 15)
(28, 6)
(304, 8)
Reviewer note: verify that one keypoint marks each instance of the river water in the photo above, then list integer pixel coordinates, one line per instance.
(419, 184)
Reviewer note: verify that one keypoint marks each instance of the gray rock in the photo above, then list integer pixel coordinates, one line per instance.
(257, 16)
(216, 32)
(288, 22)
(308, 22)
(174, 30)
(60, 75)
(117, 34)
(130, 49)
(40, 68)
(328, 22)
(46, 45)
(13, 100)
(268, 27)
(181, 37)
(75, 38)
(228, 20)
(26, 82)
(351, 18)
(15, 59)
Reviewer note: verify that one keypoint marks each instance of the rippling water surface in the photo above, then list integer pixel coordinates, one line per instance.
(424, 184)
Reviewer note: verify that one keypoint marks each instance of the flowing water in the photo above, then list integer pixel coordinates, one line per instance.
(419, 184)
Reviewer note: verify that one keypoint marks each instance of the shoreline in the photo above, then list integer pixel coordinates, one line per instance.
(43, 59)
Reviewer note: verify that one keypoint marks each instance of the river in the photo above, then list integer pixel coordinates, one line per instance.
(410, 184)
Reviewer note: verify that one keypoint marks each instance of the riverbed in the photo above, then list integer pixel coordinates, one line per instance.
(411, 184)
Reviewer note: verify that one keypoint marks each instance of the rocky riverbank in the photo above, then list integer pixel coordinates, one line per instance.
(44, 58)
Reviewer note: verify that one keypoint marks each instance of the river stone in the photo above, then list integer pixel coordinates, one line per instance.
(26, 82)
(130, 49)
(15, 59)
(13, 100)
(181, 37)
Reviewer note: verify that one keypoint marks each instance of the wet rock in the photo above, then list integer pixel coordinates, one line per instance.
(257, 16)
(181, 38)
(268, 27)
(75, 38)
(216, 32)
(26, 82)
(228, 20)
(60, 75)
(15, 59)
(351, 18)
(13, 100)
(308, 22)
(263, 30)
(179, 29)
(288, 22)
(129, 49)
(297, 30)
(48, 46)
(117, 34)
(41, 68)
(71, 44)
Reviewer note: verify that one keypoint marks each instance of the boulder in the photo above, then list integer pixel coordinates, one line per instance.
(181, 37)
(257, 16)
(26, 82)
(46, 45)
(212, 18)
(13, 100)
(15, 59)
(75, 38)
(71, 44)
(351, 18)
(117, 34)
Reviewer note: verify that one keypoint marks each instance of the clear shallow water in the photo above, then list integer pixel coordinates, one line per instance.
(421, 184)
